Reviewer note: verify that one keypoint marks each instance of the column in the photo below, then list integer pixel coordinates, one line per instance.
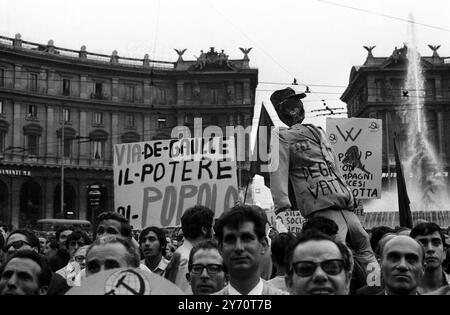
(231, 119)
(82, 200)
(51, 135)
(180, 92)
(84, 87)
(438, 87)
(15, 188)
(114, 136)
(84, 147)
(373, 93)
(52, 82)
(18, 137)
(247, 99)
(19, 75)
(147, 127)
(49, 195)
(147, 94)
(115, 89)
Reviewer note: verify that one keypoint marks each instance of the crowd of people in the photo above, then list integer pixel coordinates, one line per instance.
(239, 253)
(232, 255)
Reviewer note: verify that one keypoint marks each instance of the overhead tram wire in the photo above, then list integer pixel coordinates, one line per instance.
(385, 15)
(256, 44)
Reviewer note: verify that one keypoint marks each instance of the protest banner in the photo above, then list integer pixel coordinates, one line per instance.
(291, 220)
(358, 147)
(156, 181)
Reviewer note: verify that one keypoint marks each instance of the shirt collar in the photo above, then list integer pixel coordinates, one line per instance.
(257, 290)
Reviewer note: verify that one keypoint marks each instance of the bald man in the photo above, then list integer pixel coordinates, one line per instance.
(402, 266)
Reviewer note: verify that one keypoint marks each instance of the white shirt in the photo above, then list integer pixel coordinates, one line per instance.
(257, 290)
(183, 269)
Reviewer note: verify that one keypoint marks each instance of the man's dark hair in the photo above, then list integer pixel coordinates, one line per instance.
(427, 228)
(45, 274)
(314, 235)
(76, 235)
(125, 227)
(62, 229)
(238, 215)
(29, 236)
(377, 234)
(204, 245)
(279, 246)
(194, 219)
(160, 234)
(321, 224)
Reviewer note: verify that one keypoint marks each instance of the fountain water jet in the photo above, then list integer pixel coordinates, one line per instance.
(426, 191)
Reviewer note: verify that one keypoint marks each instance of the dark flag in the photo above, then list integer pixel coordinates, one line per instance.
(261, 153)
(403, 200)
(262, 146)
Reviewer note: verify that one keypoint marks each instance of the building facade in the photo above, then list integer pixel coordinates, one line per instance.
(63, 110)
(376, 90)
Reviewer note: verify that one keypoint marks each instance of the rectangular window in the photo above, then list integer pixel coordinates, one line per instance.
(214, 96)
(98, 118)
(66, 87)
(33, 82)
(1, 107)
(130, 121)
(2, 141)
(2, 77)
(98, 88)
(66, 114)
(97, 151)
(188, 92)
(67, 148)
(161, 123)
(162, 96)
(33, 145)
(129, 93)
(238, 90)
(32, 111)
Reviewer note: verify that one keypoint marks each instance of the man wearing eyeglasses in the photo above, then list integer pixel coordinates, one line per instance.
(25, 240)
(207, 273)
(75, 241)
(318, 265)
(241, 233)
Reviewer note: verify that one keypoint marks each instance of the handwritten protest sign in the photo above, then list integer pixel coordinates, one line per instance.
(155, 182)
(358, 146)
(291, 220)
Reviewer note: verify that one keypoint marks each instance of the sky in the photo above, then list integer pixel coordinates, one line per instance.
(315, 41)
